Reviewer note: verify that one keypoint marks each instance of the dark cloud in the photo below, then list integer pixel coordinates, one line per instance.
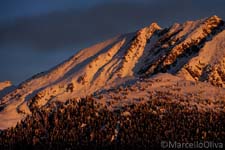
(74, 28)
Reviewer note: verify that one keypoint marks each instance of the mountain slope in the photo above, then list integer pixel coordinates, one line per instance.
(193, 50)
(166, 87)
(209, 64)
(136, 115)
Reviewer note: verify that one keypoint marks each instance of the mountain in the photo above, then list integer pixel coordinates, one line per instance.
(136, 115)
(167, 88)
(190, 56)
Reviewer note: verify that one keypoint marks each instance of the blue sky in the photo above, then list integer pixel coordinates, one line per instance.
(35, 35)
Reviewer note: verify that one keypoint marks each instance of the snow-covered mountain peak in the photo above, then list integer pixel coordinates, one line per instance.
(193, 51)
(149, 30)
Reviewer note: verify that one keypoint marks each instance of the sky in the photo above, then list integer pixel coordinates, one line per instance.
(36, 35)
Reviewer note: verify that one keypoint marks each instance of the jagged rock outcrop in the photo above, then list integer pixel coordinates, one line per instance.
(179, 44)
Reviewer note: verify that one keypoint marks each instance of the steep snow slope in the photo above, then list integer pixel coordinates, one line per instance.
(122, 60)
(14, 105)
(107, 68)
(101, 66)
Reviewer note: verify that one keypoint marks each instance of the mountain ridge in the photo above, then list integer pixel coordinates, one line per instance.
(149, 51)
